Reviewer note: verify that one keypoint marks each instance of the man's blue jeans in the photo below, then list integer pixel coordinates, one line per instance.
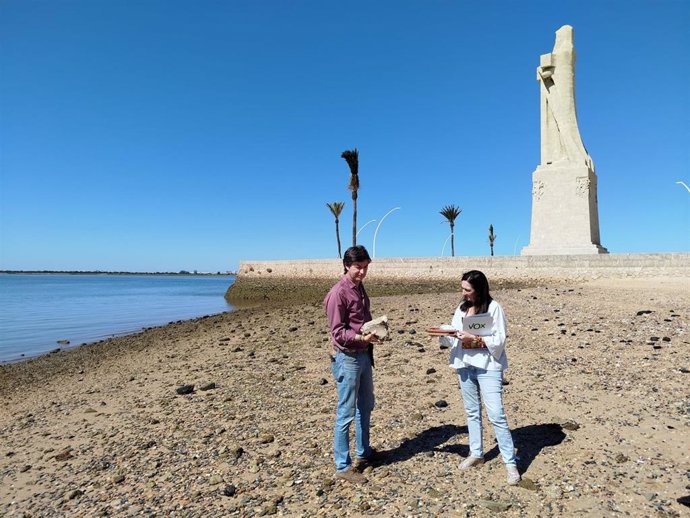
(477, 384)
(355, 383)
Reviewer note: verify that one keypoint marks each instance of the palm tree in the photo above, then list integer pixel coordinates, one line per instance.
(351, 156)
(336, 208)
(492, 238)
(450, 212)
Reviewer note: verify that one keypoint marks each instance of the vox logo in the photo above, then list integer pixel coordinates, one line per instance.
(477, 326)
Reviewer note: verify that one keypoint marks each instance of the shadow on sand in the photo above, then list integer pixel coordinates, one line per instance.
(529, 441)
(428, 440)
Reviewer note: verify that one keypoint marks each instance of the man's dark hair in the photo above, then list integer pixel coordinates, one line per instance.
(480, 284)
(355, 254)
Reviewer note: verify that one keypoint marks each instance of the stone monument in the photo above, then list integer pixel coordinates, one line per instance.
(565, 215)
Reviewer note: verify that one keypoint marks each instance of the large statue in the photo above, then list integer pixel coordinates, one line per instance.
(565, 216)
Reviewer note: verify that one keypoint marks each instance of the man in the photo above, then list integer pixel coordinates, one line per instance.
(347, 308)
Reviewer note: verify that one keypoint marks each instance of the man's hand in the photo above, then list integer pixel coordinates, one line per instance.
(369, 338)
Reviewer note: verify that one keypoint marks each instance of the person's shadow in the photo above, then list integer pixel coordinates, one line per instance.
(428, 440)
(529, 441)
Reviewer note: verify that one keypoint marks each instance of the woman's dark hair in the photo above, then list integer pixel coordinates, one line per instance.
(480, 284)
(355, 254)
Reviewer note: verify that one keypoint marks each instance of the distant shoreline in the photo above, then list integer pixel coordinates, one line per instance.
(101, 272)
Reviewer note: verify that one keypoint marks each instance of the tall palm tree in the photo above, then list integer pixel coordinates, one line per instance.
(351, 156)
(450, 212)
(336, 208)
(492, 238)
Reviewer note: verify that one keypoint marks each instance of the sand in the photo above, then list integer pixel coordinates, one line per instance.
(597, 398)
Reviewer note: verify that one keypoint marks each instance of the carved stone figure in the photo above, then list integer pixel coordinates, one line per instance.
(565, 216)
(560, 136)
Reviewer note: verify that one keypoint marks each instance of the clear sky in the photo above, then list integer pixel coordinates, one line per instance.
(160, 135)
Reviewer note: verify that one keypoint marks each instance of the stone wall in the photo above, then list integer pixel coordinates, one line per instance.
(310, 279)
(560, 267)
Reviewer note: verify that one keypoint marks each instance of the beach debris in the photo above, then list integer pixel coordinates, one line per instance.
(235, 451)
(495, 506)
(430, 370)
(441, 403)
(569, 424)
(214, 480)
(323, 381)
(208, 386)
(528, 483)
(64, 455)
(63, 342)
(185, 389)
(74, 494)
(378, 326)
(266, 438)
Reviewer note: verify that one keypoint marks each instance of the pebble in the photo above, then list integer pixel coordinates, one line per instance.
(185, 389)
(571, 425)
(495, 506)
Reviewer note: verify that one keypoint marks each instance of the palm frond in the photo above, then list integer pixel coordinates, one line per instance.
(336, 208)
(351, 156)
(450, 212)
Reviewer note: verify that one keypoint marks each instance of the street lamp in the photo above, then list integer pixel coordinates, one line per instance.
(362, 227)
(443, 250)
(377, 229)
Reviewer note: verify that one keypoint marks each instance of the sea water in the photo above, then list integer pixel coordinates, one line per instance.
(38, 310)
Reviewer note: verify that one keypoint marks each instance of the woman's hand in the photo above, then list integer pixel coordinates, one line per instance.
(470, 341)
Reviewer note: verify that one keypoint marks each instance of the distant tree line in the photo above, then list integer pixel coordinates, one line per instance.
(104, 272)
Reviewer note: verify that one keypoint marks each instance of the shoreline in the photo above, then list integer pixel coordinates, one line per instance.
(597, 407)
(61, 347)
(48, 312)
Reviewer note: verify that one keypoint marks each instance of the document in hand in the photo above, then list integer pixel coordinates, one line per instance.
(480, 325)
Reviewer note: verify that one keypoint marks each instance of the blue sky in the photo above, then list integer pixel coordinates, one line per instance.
(159, 135)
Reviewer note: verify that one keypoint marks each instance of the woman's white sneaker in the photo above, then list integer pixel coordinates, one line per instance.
(513, 474)
(470, 462)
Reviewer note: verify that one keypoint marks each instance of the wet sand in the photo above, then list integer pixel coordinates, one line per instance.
(597, 399)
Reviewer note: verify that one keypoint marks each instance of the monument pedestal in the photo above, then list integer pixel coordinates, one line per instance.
(565, 219)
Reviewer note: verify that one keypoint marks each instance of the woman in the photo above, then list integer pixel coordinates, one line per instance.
(480, 362)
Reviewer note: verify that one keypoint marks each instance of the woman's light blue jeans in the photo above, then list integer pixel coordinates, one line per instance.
(355, 383)
(476, 384)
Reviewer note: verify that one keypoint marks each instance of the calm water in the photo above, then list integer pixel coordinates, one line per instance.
(38, 310)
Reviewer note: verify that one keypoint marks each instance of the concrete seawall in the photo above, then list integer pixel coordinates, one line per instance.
(310, 278)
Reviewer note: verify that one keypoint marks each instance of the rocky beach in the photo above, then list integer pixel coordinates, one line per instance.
(232, 414)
